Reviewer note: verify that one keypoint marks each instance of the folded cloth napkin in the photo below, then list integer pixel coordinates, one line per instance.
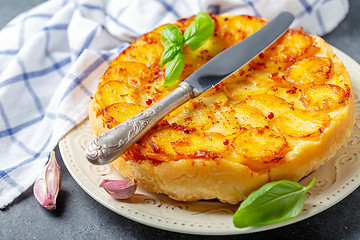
(52, 56)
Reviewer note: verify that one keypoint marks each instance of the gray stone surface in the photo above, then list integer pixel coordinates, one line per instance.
(78, 216)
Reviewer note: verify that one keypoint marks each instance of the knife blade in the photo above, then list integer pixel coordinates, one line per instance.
(233, 58)
(116, 141)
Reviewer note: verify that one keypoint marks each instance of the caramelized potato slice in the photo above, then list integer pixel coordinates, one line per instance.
(115, 91)
(198, 113)
(259, 144)
(301, 123)
(213, 99)
(193, 114)
(231, 118)
(309, 71)
(133, 73)
(240, 84)
(238, 27)
(142, 150)
(323, 97)
(161, 140)
(268, 104)
(120, 112)
(291, 45)
(147, 50)
(153, 92)
(201, 145)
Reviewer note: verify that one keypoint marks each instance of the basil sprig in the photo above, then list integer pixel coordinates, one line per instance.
(199, 31)
(174, 68)
(273, 202)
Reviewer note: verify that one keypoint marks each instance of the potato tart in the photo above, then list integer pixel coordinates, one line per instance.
(281, 116)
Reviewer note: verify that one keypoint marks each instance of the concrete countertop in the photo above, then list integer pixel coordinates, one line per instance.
(78, 216)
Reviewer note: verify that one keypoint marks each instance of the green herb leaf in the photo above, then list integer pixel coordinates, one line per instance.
(273, 202)
(171, 35)
(169, 54)
(174, 69)
(199, 31)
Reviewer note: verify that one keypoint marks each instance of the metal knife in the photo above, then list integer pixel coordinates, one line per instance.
(116, 141)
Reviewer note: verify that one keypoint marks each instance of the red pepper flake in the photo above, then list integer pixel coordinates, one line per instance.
(291, 91)
(270, 115)
(217, 105)
(261, 55)
(148, 101)
(274, 88)
(273, 75)
(241, 72)
(226, 142)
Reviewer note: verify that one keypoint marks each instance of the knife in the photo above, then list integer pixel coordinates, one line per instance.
(116, 141)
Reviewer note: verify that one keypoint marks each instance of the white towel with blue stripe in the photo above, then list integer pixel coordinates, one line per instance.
(52, 56)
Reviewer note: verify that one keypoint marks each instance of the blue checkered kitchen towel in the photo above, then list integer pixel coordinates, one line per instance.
(52, 56)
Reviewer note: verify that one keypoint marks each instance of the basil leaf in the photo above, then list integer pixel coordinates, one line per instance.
(171, 35)
(174, 69)
(199, 31)
(273, 202)
(169, 54)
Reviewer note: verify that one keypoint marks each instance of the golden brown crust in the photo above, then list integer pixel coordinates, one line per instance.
(224, 172)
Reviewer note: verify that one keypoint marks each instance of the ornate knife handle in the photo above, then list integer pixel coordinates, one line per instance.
(116, 141)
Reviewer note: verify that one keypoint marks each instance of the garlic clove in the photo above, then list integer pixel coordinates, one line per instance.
(47, 184)
(119, 189)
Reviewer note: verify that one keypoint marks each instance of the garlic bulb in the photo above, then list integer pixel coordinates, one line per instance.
(119, 189)
(47, 184)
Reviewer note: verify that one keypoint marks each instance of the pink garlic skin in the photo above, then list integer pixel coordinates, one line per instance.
(119, 189)
(47, 184)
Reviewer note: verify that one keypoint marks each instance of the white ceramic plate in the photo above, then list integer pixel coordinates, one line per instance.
(335, 180)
